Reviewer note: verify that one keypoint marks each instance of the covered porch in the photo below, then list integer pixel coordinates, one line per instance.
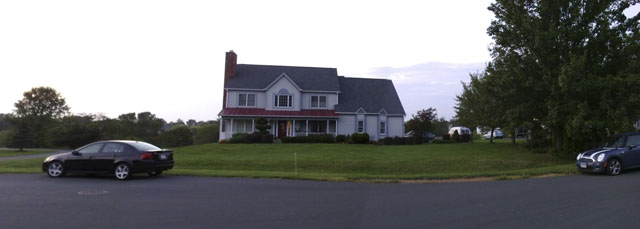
(280, 127)
(282, 123)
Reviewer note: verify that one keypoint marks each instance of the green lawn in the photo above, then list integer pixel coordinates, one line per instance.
(366, 162)
(13, 152)
(353, 162)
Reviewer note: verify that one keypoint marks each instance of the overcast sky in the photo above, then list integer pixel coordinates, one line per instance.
(167, 57)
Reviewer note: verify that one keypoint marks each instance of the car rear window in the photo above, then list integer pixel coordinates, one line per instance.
(143, 146)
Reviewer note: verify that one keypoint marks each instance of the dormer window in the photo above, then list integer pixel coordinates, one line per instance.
(318, 101)
(283, 99)
(246, 100)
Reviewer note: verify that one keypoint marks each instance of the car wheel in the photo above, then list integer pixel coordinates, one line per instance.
(55, 169)
(614, 167)
(122, 171)
(155, 173)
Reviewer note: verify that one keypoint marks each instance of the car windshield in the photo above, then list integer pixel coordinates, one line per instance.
(614, 142)
(143, 146)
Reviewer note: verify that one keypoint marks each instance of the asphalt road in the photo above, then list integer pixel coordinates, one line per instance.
(578, 201)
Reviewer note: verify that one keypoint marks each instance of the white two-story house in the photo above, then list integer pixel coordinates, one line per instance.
(301, 101)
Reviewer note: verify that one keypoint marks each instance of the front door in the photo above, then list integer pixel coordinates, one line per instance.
(282, 129)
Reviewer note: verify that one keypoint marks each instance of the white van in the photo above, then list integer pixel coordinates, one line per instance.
(461, 130)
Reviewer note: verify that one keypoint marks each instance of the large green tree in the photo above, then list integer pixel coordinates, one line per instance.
(570, 66)
(480, 103)
(34, 114)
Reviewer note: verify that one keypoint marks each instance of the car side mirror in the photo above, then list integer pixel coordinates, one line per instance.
(75, 153)
(632, 146)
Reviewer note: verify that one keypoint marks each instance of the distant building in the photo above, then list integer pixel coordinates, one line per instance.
(301, 101)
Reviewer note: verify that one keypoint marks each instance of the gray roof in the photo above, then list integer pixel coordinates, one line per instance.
(307, 78)
(372, 95)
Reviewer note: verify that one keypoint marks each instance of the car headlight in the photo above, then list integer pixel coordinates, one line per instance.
(579, 156)
(601, 157)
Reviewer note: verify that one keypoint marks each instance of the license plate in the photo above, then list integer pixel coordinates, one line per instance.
(583, 165)
(163, 157)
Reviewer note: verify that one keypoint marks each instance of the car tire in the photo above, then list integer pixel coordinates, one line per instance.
(614, 167)
(122, 171)
(155, 173)
(55, 169)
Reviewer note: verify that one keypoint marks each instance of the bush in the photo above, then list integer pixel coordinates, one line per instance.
(238, 138)
(341, 139)
(418, 139)
(266, 138)
(438, 141)
(446, 137)
(360, 138)
(206, 134)
(316, 138)
(178, 136)
(387, 141)
(465, 138)
(255, 137)
(456, 136)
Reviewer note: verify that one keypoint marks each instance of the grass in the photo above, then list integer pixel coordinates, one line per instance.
(344, 162)
(366, 162)
(13, 152)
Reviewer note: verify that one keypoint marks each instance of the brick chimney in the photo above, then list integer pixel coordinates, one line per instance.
(230, 63)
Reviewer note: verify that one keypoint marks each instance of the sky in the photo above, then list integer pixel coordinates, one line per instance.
(167, 57)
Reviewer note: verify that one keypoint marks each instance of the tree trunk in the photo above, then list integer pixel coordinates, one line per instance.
(513, 136)
(557, 140)
(491, 139)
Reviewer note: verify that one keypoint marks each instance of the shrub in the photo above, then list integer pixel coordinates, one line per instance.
(341, 139)
(446, 137)
(387, 141)
(223, 141)
(456, 136)
(399, 140)
(316, 138)
(206, 134)
(418, 139)
(360, 138)
(266, 138)
(465, 138)
(438, 141)
(178, 136)
(238, 138)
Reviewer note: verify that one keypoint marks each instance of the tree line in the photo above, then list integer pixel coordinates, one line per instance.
(42, 119)
(566, 70)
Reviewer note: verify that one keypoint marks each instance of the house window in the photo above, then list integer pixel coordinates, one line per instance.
(246, 100)
(283, 101)
(360, 126)
(242, 126)
(318, 101)
(383, 127)
(318, 126)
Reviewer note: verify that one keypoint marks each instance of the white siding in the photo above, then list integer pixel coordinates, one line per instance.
(346, 124)
(332, 100)
(395, 126)
(371, 126)
(283, 83)
(232, 98)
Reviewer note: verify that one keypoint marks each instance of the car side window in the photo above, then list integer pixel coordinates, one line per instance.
(113, 148)
(633, 140)
(91, 148)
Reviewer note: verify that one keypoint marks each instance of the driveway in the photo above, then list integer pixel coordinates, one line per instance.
(37, 201)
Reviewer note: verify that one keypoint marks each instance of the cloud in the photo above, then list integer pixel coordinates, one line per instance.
(432, 84)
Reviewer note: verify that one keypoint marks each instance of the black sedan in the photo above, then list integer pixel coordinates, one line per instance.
(120, 158)
(621, 151)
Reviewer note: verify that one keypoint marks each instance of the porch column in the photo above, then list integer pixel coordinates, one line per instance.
(253, 125)
(294, 127)
(307, 129)
(327, 126)
(231, 127)
(336, 134)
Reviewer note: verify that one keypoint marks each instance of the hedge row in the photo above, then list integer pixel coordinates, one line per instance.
(255, 137)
